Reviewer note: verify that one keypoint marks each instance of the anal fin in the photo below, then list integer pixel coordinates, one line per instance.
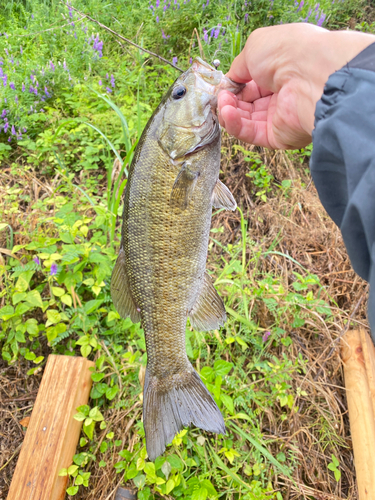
(120, 291)
(208, 312)
(222, 197)
(183, 187)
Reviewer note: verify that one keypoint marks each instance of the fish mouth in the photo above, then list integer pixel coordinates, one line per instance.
(212, 81)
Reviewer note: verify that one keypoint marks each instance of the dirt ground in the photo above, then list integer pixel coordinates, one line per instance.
(305, 233)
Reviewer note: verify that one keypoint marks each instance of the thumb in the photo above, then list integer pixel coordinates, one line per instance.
(239, 72)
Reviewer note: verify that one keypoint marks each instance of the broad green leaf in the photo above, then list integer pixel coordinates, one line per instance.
(53, 317)
(34, 299)
(72, 490)
(222, 367)
(67, 300)
(18, 296)
(169, 486)
(57, 291)
(92, 305)
(89, 429)
(200, 494)
(54, 331)
(95, 414)
(150, 468)
(228, 403)
(140, 481)
(111, 392)
(85, 350)
(175, 462)
(23, 281)
(166, 469)
(72, 469)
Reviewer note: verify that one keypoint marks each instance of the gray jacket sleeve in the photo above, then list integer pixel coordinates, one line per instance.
(343, 161)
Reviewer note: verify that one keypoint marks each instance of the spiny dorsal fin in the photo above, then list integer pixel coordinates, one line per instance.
(208, 312)
(120, 290)
(183, 187)
(222, 197)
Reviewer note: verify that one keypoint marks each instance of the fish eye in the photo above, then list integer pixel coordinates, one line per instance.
(178, 92)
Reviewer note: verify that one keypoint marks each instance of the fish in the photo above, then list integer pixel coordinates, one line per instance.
(160, 277)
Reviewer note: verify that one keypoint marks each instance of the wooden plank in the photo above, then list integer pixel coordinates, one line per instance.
(52, 435)
(361, 413)
(369, 356)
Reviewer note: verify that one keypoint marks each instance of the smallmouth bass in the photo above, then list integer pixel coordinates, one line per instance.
(160, 277)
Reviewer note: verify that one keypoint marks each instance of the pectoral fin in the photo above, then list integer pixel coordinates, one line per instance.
(183, 187)
(208, 312)
(120, 291)
(222, 197)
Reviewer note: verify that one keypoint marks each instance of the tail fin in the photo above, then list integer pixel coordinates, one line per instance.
(173, 403)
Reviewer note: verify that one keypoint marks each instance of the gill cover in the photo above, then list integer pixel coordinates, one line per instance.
(190, 120)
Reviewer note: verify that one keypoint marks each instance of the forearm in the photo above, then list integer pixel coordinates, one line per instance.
(343, 161)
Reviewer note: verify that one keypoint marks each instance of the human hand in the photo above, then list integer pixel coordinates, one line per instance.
(285, 68)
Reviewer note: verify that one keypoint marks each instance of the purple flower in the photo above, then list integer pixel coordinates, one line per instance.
(112, 81)
(16, 99)
(205, 36)
(174, 60)
(308, 15)
(13, 130)
(53, 269)
(4, 113)
(5, 78)
(70, 12)
(164, 35)
(301, 5)
(322, 19)
(6, 51)
(46, 92)
(157, 3)
(32, 16)
(191, 60)
(36, 260)
(246, 16)
(21, 51)
(265, 336)
(52, 66)
(157, 19)
(217, 31)
(107, 76)
(23, 87)
(6, 126)
(108, 89)
(11, 85)
(317, 7)
(24, 130)
(9, 139)
(212, 32)
(100, 82)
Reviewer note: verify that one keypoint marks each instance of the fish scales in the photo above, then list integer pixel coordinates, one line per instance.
(159, 278)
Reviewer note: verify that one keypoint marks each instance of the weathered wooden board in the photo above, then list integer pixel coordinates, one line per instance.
(369, 356)
(358, 359)
(52, 435)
